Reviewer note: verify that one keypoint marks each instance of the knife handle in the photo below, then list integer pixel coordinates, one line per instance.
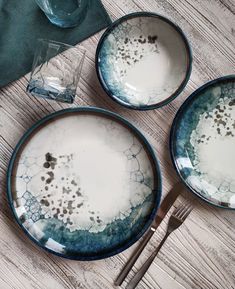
(126, 269)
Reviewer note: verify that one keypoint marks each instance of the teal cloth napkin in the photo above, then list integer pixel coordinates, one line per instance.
(22, 23)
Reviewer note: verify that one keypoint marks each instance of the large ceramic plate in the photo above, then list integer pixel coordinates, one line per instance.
(203, 142)
(84, 183)
(143, 60)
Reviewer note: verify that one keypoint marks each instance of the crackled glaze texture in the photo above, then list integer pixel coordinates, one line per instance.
(83, 185)
(205, 143)
(143, 60)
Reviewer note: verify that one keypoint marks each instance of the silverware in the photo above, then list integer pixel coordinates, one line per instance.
(162, 211)
(176, 219)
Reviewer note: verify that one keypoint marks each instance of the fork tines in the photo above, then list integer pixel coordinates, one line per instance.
(182, 211)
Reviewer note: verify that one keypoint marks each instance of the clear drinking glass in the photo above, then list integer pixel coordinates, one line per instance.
(64, 13)
(56, 77)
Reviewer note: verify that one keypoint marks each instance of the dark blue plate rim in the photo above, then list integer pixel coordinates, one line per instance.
(178, 115)
(120, 119)
(179, 89)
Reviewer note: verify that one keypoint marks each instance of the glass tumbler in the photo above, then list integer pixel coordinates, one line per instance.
(56, 77)
(64, 13)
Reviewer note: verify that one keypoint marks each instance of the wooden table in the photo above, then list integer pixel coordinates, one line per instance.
(201, 254)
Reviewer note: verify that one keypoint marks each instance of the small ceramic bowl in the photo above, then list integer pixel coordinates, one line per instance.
(143, 61)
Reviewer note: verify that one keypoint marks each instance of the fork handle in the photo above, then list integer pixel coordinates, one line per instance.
(140, 274)
(126, 269)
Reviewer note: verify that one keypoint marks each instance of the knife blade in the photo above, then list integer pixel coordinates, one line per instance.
(161, 213)
(167, 204)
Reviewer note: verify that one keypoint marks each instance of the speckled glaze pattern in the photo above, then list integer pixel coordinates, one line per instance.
(84, 185)
(142, 60)
(203, 141)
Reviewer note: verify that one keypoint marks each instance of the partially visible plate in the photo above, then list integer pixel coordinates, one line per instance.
(203, 142)
(84, 183)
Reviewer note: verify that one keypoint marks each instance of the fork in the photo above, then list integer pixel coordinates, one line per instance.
(177, 218)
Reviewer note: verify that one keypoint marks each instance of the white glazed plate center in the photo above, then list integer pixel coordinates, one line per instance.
(86, 171)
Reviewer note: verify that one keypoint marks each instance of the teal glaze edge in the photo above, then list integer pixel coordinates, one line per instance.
(180, 88)
(157, 176)
(174, 128)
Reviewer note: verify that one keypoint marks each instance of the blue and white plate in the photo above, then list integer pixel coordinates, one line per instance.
(143, 60)
(203, 142)
(84, 183)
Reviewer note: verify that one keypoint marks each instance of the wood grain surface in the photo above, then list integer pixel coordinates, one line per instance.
(201, 254)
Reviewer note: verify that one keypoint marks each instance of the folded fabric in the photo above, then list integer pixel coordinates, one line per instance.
(22, 23)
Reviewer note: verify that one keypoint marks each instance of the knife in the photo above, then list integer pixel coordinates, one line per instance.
(161, 213)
